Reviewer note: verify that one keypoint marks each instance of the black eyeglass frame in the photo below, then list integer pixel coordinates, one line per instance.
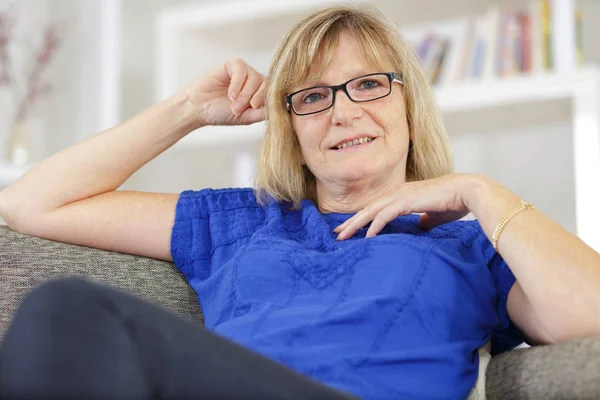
(392, 76)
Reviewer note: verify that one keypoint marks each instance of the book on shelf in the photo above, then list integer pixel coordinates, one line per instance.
(504, 41)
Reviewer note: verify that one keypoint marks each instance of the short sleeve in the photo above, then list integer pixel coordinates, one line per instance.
(208, 227)
(190, 237)
(507, 336)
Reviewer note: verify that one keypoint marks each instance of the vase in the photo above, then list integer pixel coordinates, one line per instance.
(18, 144)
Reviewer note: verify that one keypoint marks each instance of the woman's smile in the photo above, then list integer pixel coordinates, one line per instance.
(354, 145)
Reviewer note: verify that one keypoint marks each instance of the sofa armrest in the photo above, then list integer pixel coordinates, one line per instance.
(567, 370)
(26, 262)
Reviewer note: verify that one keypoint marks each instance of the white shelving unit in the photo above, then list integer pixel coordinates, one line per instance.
(195, 38)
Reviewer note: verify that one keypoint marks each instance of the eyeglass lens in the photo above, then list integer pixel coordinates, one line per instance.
(317, 99)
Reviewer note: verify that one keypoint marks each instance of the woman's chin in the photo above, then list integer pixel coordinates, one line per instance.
(359, 173)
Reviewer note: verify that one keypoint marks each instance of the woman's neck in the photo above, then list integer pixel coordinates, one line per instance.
(352, 197)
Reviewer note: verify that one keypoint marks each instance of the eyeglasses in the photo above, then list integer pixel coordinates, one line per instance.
(362, 89)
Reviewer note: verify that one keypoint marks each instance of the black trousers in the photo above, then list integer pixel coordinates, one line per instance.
(73, 339)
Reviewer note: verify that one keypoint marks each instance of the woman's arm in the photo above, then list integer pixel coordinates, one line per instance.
(98, 164)
(557, 294)
(71, 196)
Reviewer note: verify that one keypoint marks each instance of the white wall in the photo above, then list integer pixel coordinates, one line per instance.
(171, 171)
(533, 159)
(75, 106)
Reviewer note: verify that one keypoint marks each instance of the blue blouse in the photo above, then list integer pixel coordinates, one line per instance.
(400, 315)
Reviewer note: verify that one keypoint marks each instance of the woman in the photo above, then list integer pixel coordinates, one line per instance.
(326, 268)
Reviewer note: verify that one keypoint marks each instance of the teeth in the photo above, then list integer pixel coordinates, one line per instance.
(354, 142)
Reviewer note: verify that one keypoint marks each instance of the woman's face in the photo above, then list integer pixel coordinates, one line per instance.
(383, 120)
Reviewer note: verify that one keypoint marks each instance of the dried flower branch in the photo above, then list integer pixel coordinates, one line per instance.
(26, 93)
(35, 86)
(6, 27)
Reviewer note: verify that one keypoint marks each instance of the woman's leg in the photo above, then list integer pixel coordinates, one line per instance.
(75, 339)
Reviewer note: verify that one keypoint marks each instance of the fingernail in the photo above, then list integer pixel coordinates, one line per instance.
(232, 96)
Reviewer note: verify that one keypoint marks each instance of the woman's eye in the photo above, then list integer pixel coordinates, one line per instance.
(369, 84)
(312, 97)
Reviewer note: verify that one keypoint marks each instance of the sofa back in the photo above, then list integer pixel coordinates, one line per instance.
(26, 262)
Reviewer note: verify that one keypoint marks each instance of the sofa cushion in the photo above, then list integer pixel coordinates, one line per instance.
(567, 370)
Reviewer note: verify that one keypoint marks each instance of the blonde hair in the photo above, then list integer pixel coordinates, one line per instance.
(280, 173)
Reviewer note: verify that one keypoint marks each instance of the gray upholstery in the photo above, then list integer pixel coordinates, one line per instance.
(564, 371)
(26, 262)
(561, 371)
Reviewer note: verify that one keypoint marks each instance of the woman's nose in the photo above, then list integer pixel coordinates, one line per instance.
(345, 110)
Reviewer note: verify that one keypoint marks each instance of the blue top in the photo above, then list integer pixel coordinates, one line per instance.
(400, 315)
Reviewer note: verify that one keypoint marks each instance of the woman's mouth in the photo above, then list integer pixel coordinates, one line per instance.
(353, 144)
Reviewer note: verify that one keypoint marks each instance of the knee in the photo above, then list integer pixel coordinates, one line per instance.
(61, 295)
(53, 307)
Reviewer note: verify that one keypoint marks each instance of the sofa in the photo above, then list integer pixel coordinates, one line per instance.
(562, 371)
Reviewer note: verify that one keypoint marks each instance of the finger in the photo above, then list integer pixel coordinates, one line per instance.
(253, 115)
(238, 73)
(361, 219)
(258, 100)
(251, 85)
(346, 227)
(341, 227)
(352, 219)
(381, 220)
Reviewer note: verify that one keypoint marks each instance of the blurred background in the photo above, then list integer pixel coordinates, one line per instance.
(518, 84)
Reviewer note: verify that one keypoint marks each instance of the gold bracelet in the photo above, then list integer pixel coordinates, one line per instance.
(523, 205)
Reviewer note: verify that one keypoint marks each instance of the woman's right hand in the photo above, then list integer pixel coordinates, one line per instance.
(232, 94)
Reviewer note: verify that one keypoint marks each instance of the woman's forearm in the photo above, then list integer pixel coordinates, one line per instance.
(100, 163)
(558, 273)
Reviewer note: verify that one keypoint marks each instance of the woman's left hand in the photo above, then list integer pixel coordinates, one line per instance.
(441, 200)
